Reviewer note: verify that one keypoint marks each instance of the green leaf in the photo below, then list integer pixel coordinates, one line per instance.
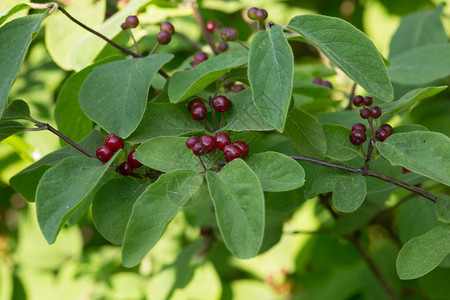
(184, 84)
(8, 13)
(423, 253)
(443, 208)
(271, 75)
(421, 65)
(243, 115)
(156, 207)
(118, 106)
(418, 29)
(422, 152)
(9, 128)
(320, 179)
(349, 193)
(112, 207)
(311, 90)
(338, 143)
(347, 48)
(63, 188)
(163, 119)
(167, 154)
(276, 172)
(306, 133)
(15, 38)
(239, 203)
(18, 109)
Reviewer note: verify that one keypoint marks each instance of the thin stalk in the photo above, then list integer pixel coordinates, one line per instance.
(350, 98)
(203, 165)
(154, 49)
(134, 41)
(206, 34)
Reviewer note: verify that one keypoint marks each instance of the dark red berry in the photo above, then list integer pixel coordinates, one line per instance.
(222, 139)
(251, 13)
(209, 142)
(327, 84)
(223, 46)
(375, 112)
(206, 230)
(368, 101)
(124, 26)
(199, 113)
(243, 146)
(228, 84)
(114, 142)
(358, 100)
(134, 163)
(192, 141)
(357, 137)
(104, 153)
(318, 81)
(239, 88)
(194, 103)
(200, 56)
(199, 149)
(388, 128)
(229, 34)
(125, 169)
(261, 14)
(211, 26)
(231, 152)
(364, 113)
(381, 135)
(164, 37)
(221, 103)
(167, 26)
(359, 127)
(132, 21)
(194, 64)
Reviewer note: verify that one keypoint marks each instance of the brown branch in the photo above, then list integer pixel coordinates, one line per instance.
(350, 99)
(205, 31)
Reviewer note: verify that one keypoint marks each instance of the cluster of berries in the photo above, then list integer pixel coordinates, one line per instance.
(130, 22)
(212, 26)
(198, 109)
(255, 13)
(164, 36)
(325, 83)
(198, 58)
(111, 145)
(208, 144)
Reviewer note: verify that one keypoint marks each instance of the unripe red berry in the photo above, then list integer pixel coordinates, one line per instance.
(381, 135)
(194, 103)
(133, 161)
(228, 84)
(318, 81)
(163, 37)
(231, 152)
(211, 26)
(124, 26)
(368, 101)
(358, 100)
(261, 14)
(375, 112)
(251, 13)
(167, 26)
(229, 34)
(364, 113)
(222, 139)
(125, 169)
(221, 103)
(357, 137)
(200, 56)
(104, 153)
(114, 142)
(239, 88)
(243, 146)
(199, 149)
(194, 64)
(199, 113)
(223, 46)
(209, 142)
(191, 141)
(132, 21)
(388, 128)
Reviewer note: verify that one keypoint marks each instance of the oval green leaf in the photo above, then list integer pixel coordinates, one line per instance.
(9, 128)
(18, 109)
(349, 193)
(443, 208)
(338, 143)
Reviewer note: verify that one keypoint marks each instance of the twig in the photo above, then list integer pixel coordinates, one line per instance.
(350, 99)
(205, 31)
(203, 165)
(154, 49)
(242, 44)
(369, 155)
(134, 41)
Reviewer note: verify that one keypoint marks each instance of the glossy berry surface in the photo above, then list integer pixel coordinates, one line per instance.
(199, 149)
(125, 169)
(229, 34)
(114, 142)
(381, 135)
(124, 26)
(132, 160)
(358, 100)
(223, 46)
(251, 13)
(388, 128)
(261, 14)
(231, 152)
(163, 37)
(367, 101)
(243, 146)
(222, 139)
(239, 88)
(209, 142)
(199, 113)
(211, 26)
(375, 112)
(103, 153)
(221, 103)
(167, 26)
(191, 141)
(364, 113)
(194, 103)
(357, 137)
(132, 21)
(359, 127)
(200, 56)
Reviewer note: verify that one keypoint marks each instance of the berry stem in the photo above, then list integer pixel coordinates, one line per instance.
(350, 99)
(154, 49)
(203, 165)
(206, 34)
(196, 44)
(369, 154)
(258, 25)
(369, 120)
(134, 41)
(242, 44)
(208, 125)
(216, 126)
(215, 159)
(222, 119)
(362, 151)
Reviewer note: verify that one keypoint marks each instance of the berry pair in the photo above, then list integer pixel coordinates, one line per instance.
(198, 109)
(126, 168)
(112, 144)
(358, 135)
(229, 34)
(231, 86)
(199, 57)
(320, 81)
(384, 132)
(164, 36)
(365, 112)
(130, 22)
(255, 13)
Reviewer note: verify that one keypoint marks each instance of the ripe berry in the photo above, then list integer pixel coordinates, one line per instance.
(194, 103)
(243, 146)
(200, 56)
(368, 101)
(132, 21)
(364, 113)
(251, 13)
(375, 112)
(359, 127)
(327, 84)
(193, 63)
(209, 142)
(192, 141)
(223, 46)
(114, 142)
(104, 153)
(239, 88)
(132, 160)
(228, 84)
(125, 169)
(221, 103)
(229, 34)
(318, 81)
(199, 113)
(388, 128)
(199, 149)
(231, 152)
(357, 137)
(167, 26)
(261, 14)
(211, 26)
(381, 135)
(222, 139)
(163, 37)
(124, 26)
(358, 100)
